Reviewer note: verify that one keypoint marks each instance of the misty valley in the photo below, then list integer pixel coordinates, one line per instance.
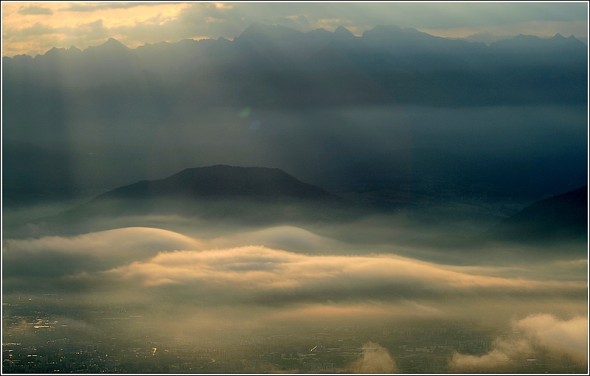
(290, 202)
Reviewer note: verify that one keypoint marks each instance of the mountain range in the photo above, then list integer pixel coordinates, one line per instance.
(277, 66)
(350, 113)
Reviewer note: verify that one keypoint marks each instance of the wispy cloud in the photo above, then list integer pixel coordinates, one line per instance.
(54, 256)
(34, 10)
(92, 7)
(374, 359)
(66, 25)
(531, 336)
(255, 274)
(264, 269)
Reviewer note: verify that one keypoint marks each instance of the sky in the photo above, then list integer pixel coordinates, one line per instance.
(33, 27)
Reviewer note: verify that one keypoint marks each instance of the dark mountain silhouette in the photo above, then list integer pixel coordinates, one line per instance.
(224, 182)
(271, 66)
(562, 217)
(110, 103)
(245, 195)
(278, 66)
(258, 32)
(342, 33)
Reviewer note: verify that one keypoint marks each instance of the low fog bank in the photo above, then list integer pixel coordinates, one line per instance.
(187, 286)
(467, 232)
(455, 234)
(144, 252)
(285, 295)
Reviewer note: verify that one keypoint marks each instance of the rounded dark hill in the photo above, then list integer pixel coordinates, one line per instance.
(222, 194)
(557, 218)
(224, 182)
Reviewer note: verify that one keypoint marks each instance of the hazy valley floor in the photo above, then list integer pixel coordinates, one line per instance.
(374, 293)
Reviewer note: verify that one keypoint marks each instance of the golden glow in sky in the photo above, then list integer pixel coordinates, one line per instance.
(35, 27)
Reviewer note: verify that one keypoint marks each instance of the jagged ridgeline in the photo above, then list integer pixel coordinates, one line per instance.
(374, 112)
(278, 66)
